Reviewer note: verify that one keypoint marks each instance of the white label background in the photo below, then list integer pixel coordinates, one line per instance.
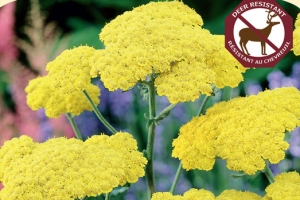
(258, 18)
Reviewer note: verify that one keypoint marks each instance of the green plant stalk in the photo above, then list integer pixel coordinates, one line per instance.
(74, 126)
(77, 133)
(84, 198)
(99, 115)
(107, 196)
(267, 171)
(160, 116)
(151, 136)
(178, 172)
(179, 169)
(202, 105)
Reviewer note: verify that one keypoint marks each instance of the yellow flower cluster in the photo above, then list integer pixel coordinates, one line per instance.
(63, 168)
(285, 187)
(165, 38)
(237, 195)
(227, 69)
(194, 194)
(245, 131)
(296, 36)
(13, 150)
(61, 90)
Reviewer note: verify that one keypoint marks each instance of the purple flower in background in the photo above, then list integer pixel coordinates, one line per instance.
(289, 81)
(139, 186)
(253, 88)
(274, 79)
(113, 106)
(296, 74)
(121, 102)
(296, 70)
(278, 79)
(46, 128)
(88, 124)
(118, 103)
(295, 143)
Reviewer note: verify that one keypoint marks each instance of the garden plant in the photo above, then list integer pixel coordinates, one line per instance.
(162, 49)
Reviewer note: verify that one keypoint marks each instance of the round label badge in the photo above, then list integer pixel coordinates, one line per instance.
(258, 33)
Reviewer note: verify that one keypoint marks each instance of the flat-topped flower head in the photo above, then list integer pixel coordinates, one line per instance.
(296, 37)
(185, 82)
(192, 194)
(165, 38)
(166, 196)
(60, 91)
(244, 131)
(62, 168)
(55, 101)
(285, 187)
(71, 69)
(237, 195)
(14, 149)
(228, 71)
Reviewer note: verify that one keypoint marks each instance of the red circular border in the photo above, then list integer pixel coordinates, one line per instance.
(229, 35)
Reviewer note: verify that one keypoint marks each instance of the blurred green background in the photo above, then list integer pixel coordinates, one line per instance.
(78, 22)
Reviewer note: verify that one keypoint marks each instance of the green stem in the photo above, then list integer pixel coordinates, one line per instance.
(178, 172)
(176, 178)
(165, 112)
(267, 171)
(202, 105)
(107, 195)
(77, 134)
(99, 115)
(151, 136)
(74, 126)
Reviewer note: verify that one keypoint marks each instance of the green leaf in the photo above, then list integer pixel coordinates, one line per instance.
(128, 4)
(77, 23)
(120, 190)
(87, 2)
(86, 36)
(100, 197)
(237, 175)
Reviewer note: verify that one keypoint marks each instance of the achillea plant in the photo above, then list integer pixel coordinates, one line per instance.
(194, 194)
(189, 195)
(165, 39)
(244, 131)
(161, 47)
(61, 90)
(62, 168)
(285, 187)
(237, 195)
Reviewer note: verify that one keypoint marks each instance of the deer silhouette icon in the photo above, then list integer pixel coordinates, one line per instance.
(247, 34)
